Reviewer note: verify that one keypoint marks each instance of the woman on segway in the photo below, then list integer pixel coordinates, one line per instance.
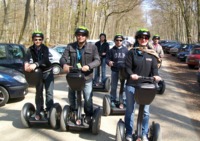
(39, 53)
(84, 56)
(140, 61)
(103, 48)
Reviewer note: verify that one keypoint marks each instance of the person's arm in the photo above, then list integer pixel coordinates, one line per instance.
(155, 69)
(161, 52)
(64, 59)
(96, 59)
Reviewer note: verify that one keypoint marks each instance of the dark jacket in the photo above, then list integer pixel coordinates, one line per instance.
(104, 48)
(39, 57)
(141, 64)
(117, 55)
(89, 57)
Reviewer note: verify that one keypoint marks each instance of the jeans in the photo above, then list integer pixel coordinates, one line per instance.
(103, 71)
(129, 115)
(87, 95)
(48, 82)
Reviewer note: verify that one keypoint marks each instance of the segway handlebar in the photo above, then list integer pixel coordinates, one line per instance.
(146, 78)
(72, 69)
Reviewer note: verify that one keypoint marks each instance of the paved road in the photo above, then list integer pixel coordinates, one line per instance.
(170, 110)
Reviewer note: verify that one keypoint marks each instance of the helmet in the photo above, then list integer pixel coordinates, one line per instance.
(82, 29)
(142, 32)
(156, 37)
(37, 33)
(118, 36)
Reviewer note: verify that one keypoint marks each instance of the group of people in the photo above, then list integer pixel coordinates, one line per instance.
(138, 61)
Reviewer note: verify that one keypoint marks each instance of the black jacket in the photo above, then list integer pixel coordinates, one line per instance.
(104, 48)
(141, 64)
(117, 55)
(39, 57)
(89, 57)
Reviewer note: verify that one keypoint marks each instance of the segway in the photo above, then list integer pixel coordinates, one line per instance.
(28, 111)
(144, 94)
(104, 86)
(120, 106)
(73, 118)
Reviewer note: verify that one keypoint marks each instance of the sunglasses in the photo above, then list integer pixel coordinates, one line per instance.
(141, 38)
(37, 39)
(81, 35)
(118, 40)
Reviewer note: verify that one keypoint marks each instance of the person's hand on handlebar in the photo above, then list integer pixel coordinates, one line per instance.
(111, 63)
(66, 68)
(134, 76)
(85, 68)
(157, 78)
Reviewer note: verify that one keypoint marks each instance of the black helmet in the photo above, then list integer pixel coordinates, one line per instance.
(82, 29)
(102, 34)
(156, 37)
(142, 32)
(37, 34)
(118, 36)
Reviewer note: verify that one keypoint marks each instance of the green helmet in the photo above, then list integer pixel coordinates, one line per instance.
(156, 37)
(142, 32)
(118, 36)
(82, 29)
(37, 33)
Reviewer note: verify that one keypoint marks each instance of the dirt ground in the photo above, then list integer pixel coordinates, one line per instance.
(186, 79)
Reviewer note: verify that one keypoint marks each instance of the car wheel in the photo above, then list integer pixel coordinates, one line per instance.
(56, 69)
(4, 96)
(191, 66)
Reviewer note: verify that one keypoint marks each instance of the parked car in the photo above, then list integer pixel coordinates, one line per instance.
(198, 74)
(174, 50)
(12, 85)
(193, 58)
(60, 48)
(184, 51)
(111, 44)
(12, 56)
(168, 45)
(54, 58)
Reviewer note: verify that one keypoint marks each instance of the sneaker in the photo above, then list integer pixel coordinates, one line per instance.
(144, 138)
(113, 104)
(88, 119)
(129, 138)
(37, 117)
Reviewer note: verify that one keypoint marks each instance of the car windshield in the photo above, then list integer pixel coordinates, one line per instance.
(196, 51)
(2, 51)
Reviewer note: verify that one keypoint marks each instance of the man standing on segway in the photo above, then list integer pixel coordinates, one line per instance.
(115, 60)
(85, 56)
(140, 61)
(103, 48)
(39, 53)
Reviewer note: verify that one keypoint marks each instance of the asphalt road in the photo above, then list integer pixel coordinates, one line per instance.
(169, 110)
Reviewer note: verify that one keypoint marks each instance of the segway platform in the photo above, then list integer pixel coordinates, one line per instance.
(104, 87)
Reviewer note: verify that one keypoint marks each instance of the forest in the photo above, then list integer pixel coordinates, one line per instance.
(57, 19)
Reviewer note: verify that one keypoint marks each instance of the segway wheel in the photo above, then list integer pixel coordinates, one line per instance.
(54, 115)
(107, 85)
(96, 121)
(106, 105)
(64, 118)
(155, 132)
(120, 133)
(162, 86)
(27, 111)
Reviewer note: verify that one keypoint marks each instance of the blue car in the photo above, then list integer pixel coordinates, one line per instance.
(12, 85)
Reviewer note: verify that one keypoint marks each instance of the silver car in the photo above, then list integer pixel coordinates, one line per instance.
(54, 58)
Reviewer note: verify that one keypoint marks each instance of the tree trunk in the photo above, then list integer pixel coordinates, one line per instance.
(198, 22)
(48, 29)
(27, 13)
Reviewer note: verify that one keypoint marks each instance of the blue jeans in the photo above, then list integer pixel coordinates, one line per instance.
(114, 83)
(103, 71)
(48, 82)
(129, 115)
(87, 95)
